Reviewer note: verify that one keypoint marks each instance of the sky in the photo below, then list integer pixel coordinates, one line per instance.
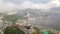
(8, 5)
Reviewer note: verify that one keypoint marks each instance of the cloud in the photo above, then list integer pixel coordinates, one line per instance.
(41, 1)
(29, 4)
(8, 6)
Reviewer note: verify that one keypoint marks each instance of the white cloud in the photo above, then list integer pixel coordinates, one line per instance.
(28, 4)
(25, 4)
(56, 2)
(8, 6)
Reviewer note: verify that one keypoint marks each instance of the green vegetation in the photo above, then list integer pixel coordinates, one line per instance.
(12, 30)
(45, 32)
(12, 18)
(37, 30)
(50, 32)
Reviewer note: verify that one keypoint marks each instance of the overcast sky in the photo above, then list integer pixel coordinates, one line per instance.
(7, 5)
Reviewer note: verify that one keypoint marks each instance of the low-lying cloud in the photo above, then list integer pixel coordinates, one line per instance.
(8, 6)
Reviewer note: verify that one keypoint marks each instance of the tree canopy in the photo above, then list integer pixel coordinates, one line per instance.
(37, 30)
(12, 18)
(12, 30)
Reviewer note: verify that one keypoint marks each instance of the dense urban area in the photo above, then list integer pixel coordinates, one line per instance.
(24, 21)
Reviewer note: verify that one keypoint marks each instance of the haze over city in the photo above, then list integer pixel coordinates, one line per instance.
(41, 13)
